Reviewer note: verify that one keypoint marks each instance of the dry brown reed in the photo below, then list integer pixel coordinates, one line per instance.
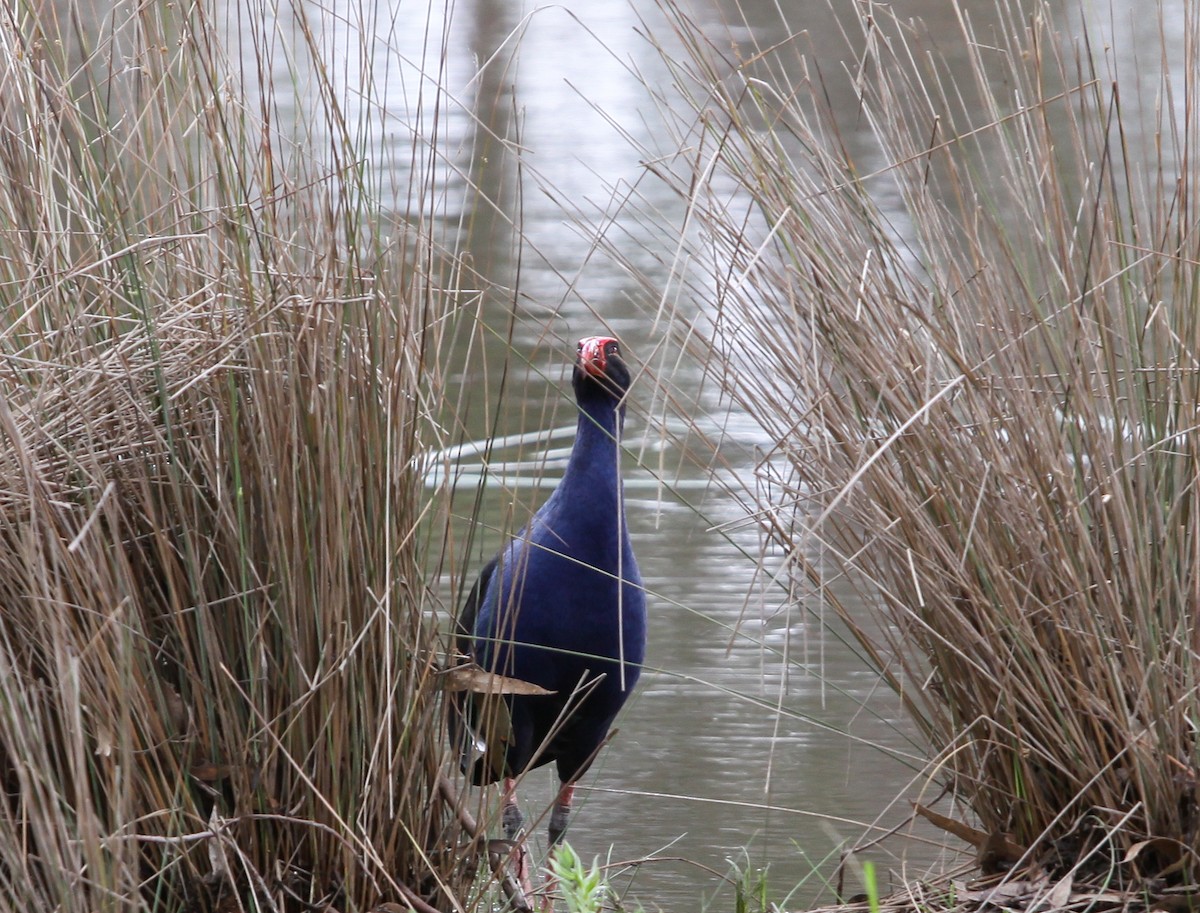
(216, 658)
(975, 340)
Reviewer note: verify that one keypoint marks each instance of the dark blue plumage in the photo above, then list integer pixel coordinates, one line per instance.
(562, 605)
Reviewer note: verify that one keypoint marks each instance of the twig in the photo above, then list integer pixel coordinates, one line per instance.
(508, 882)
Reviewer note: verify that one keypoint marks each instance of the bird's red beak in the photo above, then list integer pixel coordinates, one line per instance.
(593, 354)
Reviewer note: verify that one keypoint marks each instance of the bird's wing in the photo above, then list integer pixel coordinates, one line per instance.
(468, 617)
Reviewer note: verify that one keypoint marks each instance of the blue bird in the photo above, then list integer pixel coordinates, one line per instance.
(561, 606)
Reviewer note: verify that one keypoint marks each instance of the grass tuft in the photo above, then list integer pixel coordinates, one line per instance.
(972, 330)
(217, 355)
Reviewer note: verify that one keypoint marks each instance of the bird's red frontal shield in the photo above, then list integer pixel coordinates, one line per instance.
(593, 354)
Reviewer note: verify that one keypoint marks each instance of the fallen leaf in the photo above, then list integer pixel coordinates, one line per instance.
(1060, 894)
(1005, 893)
(971, 835)
(208, 772)
(996, 851)
(478, 680)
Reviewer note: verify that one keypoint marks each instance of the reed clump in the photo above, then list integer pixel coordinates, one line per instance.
(974, 336)
(216, 661)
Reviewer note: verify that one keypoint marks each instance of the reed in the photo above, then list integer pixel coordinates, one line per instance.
(974, 338)
(218, 355)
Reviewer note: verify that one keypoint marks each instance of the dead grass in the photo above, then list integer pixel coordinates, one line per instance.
(984, 394)
(218, 356)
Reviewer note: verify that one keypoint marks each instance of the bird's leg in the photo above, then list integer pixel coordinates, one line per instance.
(559, 815)
(514, 830)
(511, 817)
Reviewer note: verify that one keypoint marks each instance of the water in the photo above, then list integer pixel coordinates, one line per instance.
(758, 736)
(728, 753)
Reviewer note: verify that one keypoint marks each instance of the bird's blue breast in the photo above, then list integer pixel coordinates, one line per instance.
(566, 599)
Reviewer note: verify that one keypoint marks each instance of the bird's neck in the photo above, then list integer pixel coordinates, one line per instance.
(595, 454)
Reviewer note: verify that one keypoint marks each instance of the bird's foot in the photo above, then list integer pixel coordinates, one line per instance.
(546, 904)
(559, 816)
(549, 890)
(519, 854)
(523, 866)
(514, 829)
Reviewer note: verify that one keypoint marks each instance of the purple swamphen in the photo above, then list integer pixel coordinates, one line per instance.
(562, 607)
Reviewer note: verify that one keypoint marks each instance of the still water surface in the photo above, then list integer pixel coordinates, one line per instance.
(756, 727)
